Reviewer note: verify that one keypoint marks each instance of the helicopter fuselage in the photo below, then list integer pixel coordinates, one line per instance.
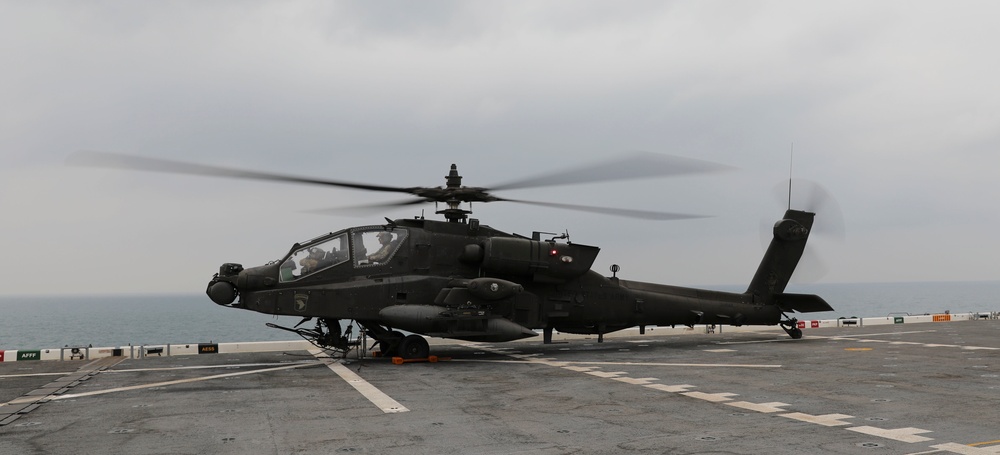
(472, 282)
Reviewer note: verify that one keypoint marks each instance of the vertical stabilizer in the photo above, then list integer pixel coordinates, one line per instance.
(783, 254)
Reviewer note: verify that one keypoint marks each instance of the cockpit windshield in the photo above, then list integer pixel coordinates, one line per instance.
(372, 246)
(315, 257)
(376, 245)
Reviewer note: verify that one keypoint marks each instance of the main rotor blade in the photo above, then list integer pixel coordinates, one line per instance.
(631, 213)
(636, 165)
(367, 208)
(140, 163)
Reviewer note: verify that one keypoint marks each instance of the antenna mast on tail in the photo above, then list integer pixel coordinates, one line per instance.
(791, 156)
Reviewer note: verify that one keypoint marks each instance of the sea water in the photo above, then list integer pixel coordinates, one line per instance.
(40, 322)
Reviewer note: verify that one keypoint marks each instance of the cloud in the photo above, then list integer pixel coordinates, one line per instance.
(889, 105)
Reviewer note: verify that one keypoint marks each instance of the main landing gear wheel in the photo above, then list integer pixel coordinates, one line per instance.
(414, 347)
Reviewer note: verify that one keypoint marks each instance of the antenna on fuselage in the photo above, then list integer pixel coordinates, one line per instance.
(791, 157)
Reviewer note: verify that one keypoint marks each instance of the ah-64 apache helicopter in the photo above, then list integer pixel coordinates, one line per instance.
(464, 280)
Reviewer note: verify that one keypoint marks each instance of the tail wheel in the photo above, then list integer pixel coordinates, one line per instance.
(791, 327)
(414, 347)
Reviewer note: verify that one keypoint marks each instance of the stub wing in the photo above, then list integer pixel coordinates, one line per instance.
(802, 303)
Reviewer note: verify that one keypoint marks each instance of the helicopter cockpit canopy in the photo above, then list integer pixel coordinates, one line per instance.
(372, 246)
(318, 254)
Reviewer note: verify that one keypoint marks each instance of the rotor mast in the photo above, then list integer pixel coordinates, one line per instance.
(454, 213)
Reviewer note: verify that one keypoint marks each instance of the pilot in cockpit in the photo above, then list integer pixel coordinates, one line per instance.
(385, 239)
(312, 262)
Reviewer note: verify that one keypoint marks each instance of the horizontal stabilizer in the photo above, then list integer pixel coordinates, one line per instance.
(802, 303)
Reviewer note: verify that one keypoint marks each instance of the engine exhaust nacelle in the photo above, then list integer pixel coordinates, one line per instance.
(493, 288)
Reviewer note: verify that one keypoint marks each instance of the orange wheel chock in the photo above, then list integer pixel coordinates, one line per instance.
(431, 359)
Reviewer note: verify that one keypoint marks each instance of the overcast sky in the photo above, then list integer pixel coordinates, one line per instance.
(892, 106)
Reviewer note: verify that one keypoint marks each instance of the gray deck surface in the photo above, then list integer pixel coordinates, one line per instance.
(891, 389)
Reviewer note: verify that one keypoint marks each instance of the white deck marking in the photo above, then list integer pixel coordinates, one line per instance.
(860, 338)
(372, 393)
(606, 374)
(636, 381)
(967, 450)
(908, 434)
(706, 365)
(827, 420)
(819, 337)
(28, 375)
(671, 388)
(713, 397)
(773, 340)
(641, 364)
(209, 367)
(766, 408)
(179, 381)
(134, 370)
(876, 334)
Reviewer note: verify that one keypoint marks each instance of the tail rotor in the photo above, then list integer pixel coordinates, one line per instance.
(828, 228)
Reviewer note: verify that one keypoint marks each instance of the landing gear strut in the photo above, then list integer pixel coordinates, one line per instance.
(326, 334)
(791, 327)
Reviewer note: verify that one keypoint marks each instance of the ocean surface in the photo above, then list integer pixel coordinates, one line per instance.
(40, 322)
